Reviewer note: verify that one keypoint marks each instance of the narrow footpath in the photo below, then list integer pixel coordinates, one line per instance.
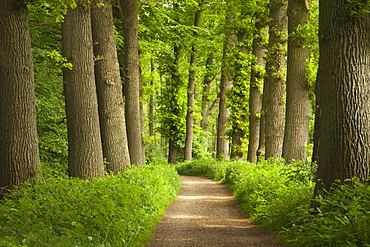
(205, 213)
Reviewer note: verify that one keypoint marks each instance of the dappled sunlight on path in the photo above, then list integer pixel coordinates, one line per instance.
(206, 214)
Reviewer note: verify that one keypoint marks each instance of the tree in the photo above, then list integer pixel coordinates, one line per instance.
(85, 155)
(273, 90)
(255, 90)
(132, 82)
(109, 88)
(342, 126)
(297, 86)
(19, 151)
(222, 151)
(191, 91)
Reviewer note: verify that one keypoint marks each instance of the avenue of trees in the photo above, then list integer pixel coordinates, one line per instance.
(98, 85)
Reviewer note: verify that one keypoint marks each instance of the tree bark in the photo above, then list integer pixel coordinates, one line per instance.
(85, 154)
(174, 129)
(109, 89)
(297, 87)
(342, 127)
(275, 79)
(206, 108)
(191, 92)
(19, 151)
(134, 124)
(222, 151)
(255, 93)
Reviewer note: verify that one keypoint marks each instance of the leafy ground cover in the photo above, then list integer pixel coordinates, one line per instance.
(279, 197)
(119, 210)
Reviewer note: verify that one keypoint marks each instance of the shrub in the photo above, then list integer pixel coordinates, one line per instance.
(341, 219)
(119, 210)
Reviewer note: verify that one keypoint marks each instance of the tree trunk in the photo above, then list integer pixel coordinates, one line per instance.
(109, 89)
(206, 108)
(297, 87)
(275, 79)
(255, 94)
(342, 127)
(19, 151)
(85, 155)
(134, 124)
(222, 151)
(191, 93)
(174, 129)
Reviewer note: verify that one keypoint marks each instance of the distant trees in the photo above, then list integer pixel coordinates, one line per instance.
(19, 150)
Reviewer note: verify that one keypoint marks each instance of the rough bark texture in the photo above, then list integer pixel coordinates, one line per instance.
(85, 154)
(342, 127)
(255, 96)
(297, 87)
(134, 124)
(191, 93)
(109, 89)
(19, 151)
(275, 79)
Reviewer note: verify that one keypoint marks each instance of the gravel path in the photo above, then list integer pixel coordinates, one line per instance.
(206, 214)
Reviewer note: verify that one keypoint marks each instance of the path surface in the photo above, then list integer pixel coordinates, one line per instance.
(206, 214)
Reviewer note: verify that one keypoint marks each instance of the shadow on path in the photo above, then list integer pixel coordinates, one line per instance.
(205, 213)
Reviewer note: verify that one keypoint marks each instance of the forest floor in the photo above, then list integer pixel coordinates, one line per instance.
(205, 213)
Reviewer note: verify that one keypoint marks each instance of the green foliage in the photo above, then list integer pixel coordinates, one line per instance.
(342, 218)
(117, 210)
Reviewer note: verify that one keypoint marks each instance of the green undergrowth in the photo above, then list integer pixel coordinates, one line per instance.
(279, 198)
(119, 210)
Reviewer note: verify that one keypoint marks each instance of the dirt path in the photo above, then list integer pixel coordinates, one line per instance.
(206, 214)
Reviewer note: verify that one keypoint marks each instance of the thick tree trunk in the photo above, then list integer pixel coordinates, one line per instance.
(297, 87)
(255, 95)
(19, 151)
(134, 124)
(85, 154)
(275, 79)
(342, 127)
(109, 89)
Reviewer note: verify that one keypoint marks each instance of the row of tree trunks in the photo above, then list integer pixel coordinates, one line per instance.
(19, 150)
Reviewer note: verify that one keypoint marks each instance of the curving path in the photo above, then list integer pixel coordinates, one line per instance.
(205, 213)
